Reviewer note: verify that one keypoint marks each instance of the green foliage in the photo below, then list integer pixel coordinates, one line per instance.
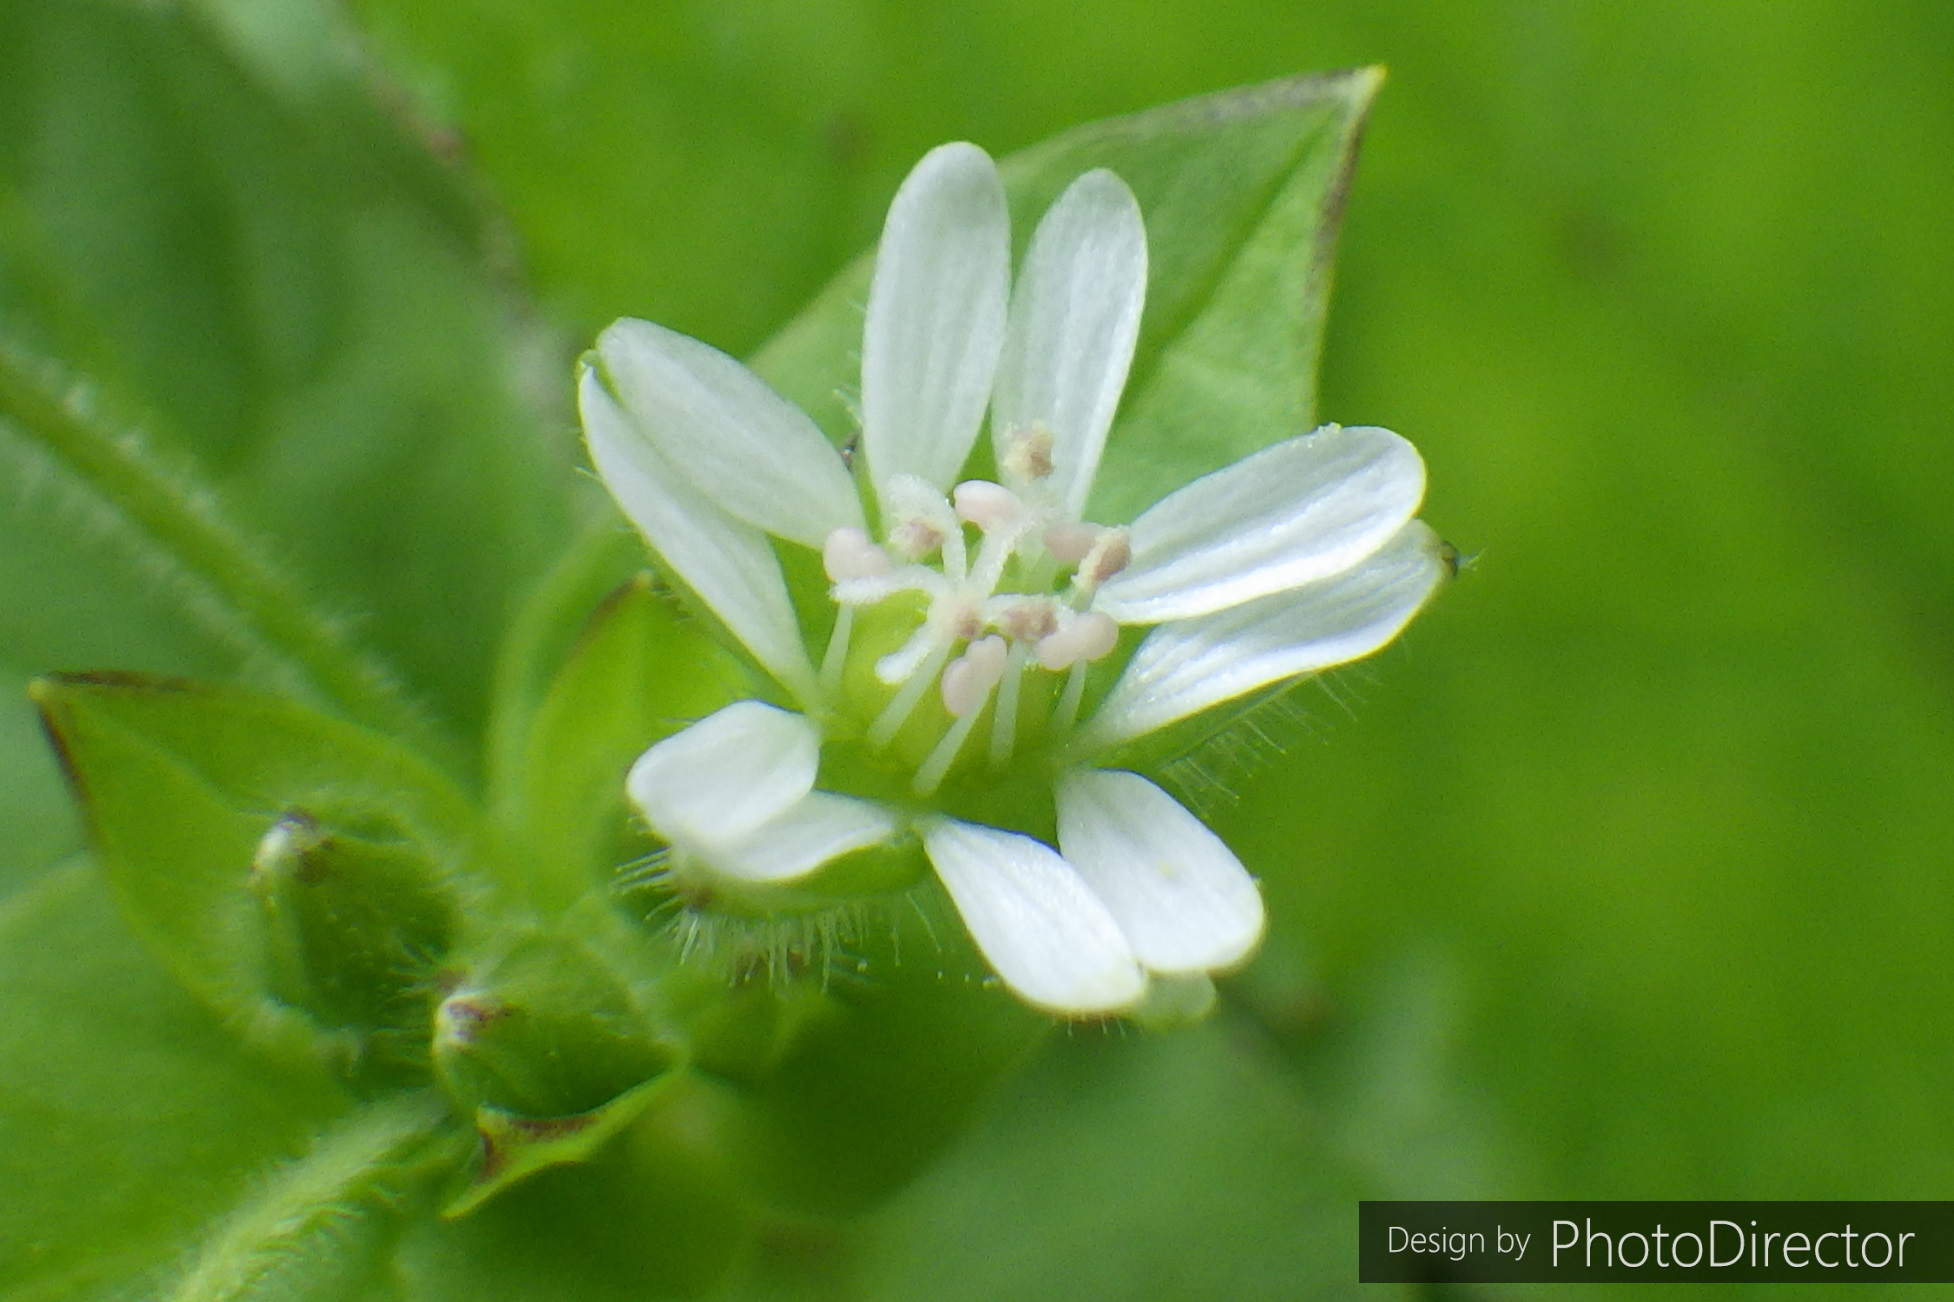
(1628, 878)
(130, 1119)
(639, 671)
(182, 783)
(287, 294)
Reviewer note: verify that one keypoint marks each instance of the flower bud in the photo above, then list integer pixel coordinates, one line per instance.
(544, 1031)
(356, 922)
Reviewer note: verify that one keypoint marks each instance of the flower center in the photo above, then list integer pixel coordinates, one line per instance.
(1017, 605)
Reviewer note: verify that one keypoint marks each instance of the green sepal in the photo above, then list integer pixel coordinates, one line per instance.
(180, 782)
(515, 1147)
(870, 873)
(356, 926)
(643, 1208)
(545, 1031)
(865, 1088)
(742, 1027)
(640, 671)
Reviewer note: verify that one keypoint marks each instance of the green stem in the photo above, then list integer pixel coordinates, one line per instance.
(246, 601)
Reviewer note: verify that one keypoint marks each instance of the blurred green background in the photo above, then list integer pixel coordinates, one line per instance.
(1628, 874)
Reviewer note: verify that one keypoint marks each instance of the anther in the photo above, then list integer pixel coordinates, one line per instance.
(1078, 639)
(1071, 541)
(1023, 619)
(1109, 555)
(988, 506)
(1028, 455)
(915, 539)
(849, 554)
(919, 521)
(967, 680)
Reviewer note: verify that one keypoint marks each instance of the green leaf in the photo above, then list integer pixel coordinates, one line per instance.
(172, 533)
(128, 1116)
(320, 1228)
(646, 1216)
(1176, 1168)
(293, 301)
(1241, 192)
(642, 158)
(639, 672)
(182, 781)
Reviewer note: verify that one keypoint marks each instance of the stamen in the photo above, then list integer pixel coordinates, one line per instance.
(1004, 721)
(1021, 618)
(1067, 712)
(1070, 541)
(836, 657)
(1028, 454)
(876, 587)
(1078, 639)
(848, 554)
(902, 662)
(930, 776)
(992, 556)
(988, 506)
(915, 539)
(956, 561)
(967, 685)
(967, 680)
(918, 520)
(1110, 554)
(903, 704)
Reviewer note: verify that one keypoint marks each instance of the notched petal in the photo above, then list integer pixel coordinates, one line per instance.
(1295, 512)
(1182, 898)
(817, 829)
(756, 455)
(726, 775)
(727, 562)
(1075, 316)
(1034, 918)
(1186, 667)
(936, 314)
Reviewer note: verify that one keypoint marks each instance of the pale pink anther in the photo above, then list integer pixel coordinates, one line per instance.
(989, 506)
(967, 680)
(1110, 554)
(1086, 636)
(1071, 541)
(849, 554)
(914, 539)
(1024, 619)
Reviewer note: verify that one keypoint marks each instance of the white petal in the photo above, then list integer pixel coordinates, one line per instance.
(1048, 936)
(1295, 512)
(820, 827)
(1183, 668)
(727, 562)
(755, 454)
(935, 317)
(726, 775)
(1184, 901)
(1074, 318)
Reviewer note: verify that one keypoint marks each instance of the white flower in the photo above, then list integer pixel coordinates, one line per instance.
(1302, 556)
